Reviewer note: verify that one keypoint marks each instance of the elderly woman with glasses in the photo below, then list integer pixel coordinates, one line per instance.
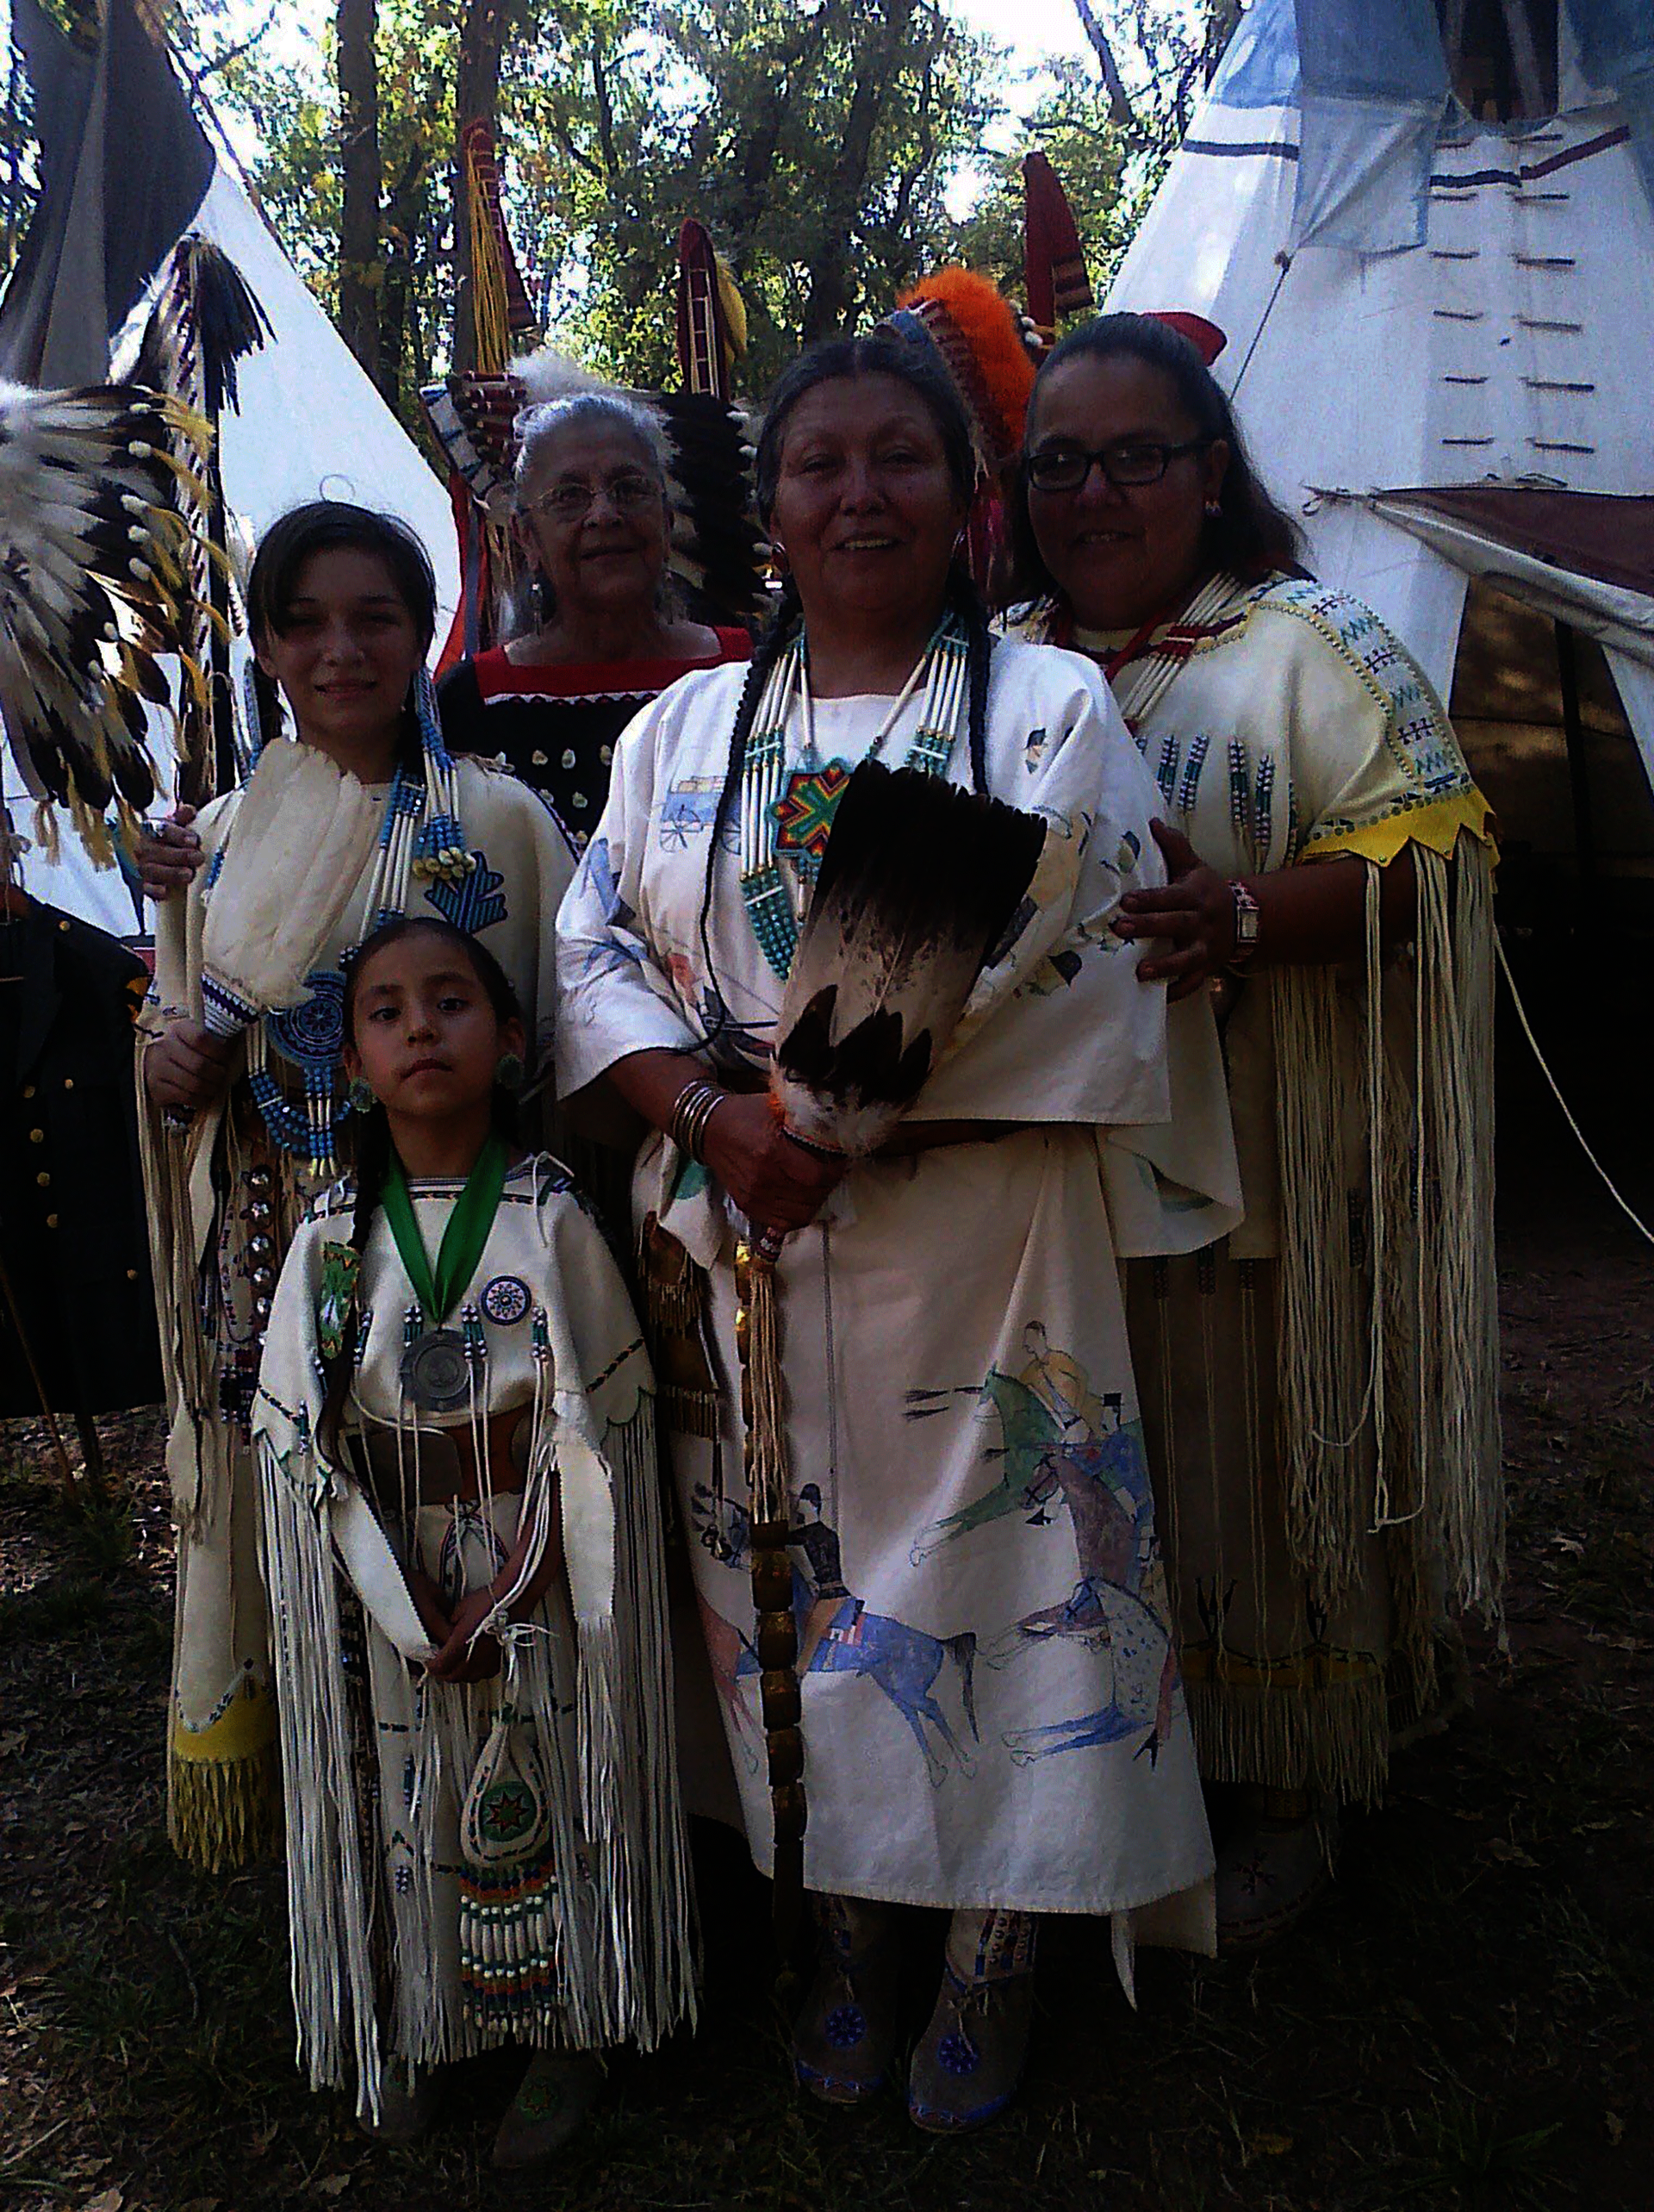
(603, 636)
(1318, 1387)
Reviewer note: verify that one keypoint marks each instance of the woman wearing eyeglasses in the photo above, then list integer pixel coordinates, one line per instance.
(1321, 1388)
(591, 516)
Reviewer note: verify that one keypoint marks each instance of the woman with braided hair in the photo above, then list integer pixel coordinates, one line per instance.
(984, 1650)
(461, 1534)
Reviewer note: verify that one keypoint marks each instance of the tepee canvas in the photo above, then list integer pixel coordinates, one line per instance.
(1426, 228)
(127, 170)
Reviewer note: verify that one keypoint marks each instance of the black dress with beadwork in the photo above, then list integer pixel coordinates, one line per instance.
(555, 724)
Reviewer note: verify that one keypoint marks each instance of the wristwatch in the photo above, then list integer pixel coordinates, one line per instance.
(1248, 921)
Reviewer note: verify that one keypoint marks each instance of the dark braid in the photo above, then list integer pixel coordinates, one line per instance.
(967, 603)
(372, 1166)
(783, 626)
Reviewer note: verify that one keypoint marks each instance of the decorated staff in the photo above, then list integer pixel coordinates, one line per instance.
(97, 583)
(918, 882)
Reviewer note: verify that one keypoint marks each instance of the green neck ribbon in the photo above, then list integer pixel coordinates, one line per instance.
(462, 1239)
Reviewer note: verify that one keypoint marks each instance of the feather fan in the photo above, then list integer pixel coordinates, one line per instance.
(303, 835)
(918, 885)
(94, 583)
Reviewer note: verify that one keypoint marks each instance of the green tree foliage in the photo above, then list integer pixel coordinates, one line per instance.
(817, 140)
(814, 138)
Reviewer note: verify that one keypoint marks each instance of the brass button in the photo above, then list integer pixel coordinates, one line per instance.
(50, 1220)
(68, 1083)
(43, 1180)
(37, 1136)
(132, 1274)
(28, 1090)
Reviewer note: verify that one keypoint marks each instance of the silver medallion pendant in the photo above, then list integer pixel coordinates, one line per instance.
(436, 1373)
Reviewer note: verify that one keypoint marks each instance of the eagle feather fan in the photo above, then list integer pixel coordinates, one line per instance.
(919, 884)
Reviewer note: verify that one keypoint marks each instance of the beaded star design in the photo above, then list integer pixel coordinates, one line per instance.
(805, 811)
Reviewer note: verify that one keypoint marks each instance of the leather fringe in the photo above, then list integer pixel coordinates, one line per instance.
(222, 1814)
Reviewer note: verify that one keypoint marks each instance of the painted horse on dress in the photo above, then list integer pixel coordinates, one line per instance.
(838, 1635)
(1063, 1446)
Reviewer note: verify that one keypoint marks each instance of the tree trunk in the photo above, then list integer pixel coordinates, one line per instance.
(408, 214)
(361, 269)
(484, 30)
(811, 39)
(829, 303)
(1119, 99)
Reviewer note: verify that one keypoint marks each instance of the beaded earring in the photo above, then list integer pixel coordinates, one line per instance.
(509, 1071)
(362, 1098)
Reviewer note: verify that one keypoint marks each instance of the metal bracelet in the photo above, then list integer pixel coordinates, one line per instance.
(692, 1110)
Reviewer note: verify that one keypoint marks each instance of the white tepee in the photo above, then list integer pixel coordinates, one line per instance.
(310, 423)
(1426, 228)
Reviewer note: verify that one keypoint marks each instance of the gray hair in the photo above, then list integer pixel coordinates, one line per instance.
(562, 397)
(596, 408)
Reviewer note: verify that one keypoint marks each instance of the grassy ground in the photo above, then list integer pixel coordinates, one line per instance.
(1464, 2024)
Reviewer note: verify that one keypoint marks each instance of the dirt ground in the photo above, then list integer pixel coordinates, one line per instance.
(1466, 2022)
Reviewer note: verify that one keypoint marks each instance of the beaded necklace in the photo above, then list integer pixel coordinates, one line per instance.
(420, 838)
(790, 816)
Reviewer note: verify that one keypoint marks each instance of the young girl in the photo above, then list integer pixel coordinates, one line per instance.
(461, 1542)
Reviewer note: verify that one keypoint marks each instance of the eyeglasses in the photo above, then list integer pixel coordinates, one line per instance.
(567, 502)
(1140, 461)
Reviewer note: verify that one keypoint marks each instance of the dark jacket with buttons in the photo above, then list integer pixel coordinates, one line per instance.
(72, 1232)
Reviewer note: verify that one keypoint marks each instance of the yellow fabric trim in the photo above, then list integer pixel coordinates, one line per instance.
(1436, 825)
(243, 1730)
(222, 1814)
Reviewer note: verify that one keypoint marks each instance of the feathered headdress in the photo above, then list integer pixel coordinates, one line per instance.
(96, 580)
(718, 549)
(985, 347)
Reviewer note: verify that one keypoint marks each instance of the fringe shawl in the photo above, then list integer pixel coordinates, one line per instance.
(621, 1903)
(221, 1785)
(1389, 1326)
